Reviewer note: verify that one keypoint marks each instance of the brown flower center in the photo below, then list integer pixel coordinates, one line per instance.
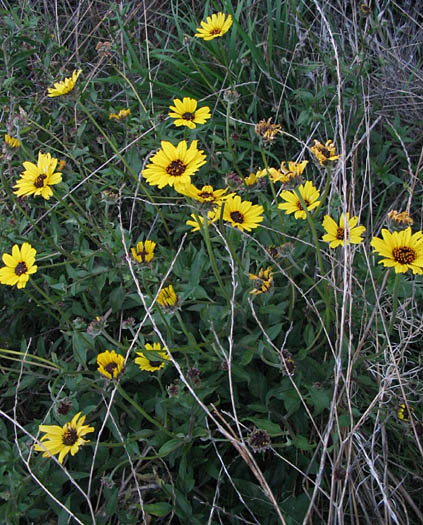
(176, 168)
(70, 437)
(155, 363)
(237, 216)
(188, 116)
(39, 181)
(142, 254)
(216, 31)
(21, 268)
(206, 195)
(340, 234)
(404, 255)
(300, 206)
(110, 368)
(325, 152)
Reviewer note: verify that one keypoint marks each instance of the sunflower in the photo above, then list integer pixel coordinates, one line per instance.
(404, 413)
(256, 177)
(401, 250)
(267, 131)
(37, 179)
(198, 220)
(144, 251)
(62, 440)
(400, 219)
(19, 266)
(292, 203)
(263, 281)
(110, 364)
(288, 173)
(174, 165)
(215, 25)
(186, 113)
(337, 233)
(167, 297)
(64, 86)
(243, 215)
(12, 142)
(152, 358)
(207, 194)
(324, 152)
(123, 113)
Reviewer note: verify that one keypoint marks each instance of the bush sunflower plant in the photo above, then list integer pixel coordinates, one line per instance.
(196, 326)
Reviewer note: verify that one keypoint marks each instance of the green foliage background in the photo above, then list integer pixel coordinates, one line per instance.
(338, 450)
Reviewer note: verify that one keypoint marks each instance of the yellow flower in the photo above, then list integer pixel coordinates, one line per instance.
(10, 141)
(215, 25)
(167, 297)
(110, 364)
(144, 251)
(206, 194)
(62, 440)
(267, 131)
(37, 179)
(212, 216)
(263, 281)
(186, 113)
(152, 358)
(253, 178)
(19, 266)
(64, 86)
(292, 203)
(403, 412)
(122, 114)
(174, 166)
(324, 152)
(335, 234)
(400, 218)
(243, 215)
(286, 174)
(401, 250)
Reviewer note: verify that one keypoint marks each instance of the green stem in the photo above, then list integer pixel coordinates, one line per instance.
(50, 364)
(228, 142)
(394, 302)
(144, 413)
(310, 221)
(325, 191)
(128, 167)
(204, 228)
(272, 186)
(312, 228)
(54, 305)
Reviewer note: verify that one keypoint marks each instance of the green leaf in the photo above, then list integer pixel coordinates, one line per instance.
(170, 446)
(264, 424)
(116, 298)
(302, 443)
(160, 509)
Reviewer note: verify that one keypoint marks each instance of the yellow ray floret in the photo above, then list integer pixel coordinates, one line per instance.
(186, 113)
(174, 165)
(19, 266)
(144, 251)
(62, 440)
(64, 86)
(152, 358)
(215, 25)
(110, 364)
(402, 250)
(346, 231)
(292, 203)
(37, 178)
(12, 142)
(243, 215)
